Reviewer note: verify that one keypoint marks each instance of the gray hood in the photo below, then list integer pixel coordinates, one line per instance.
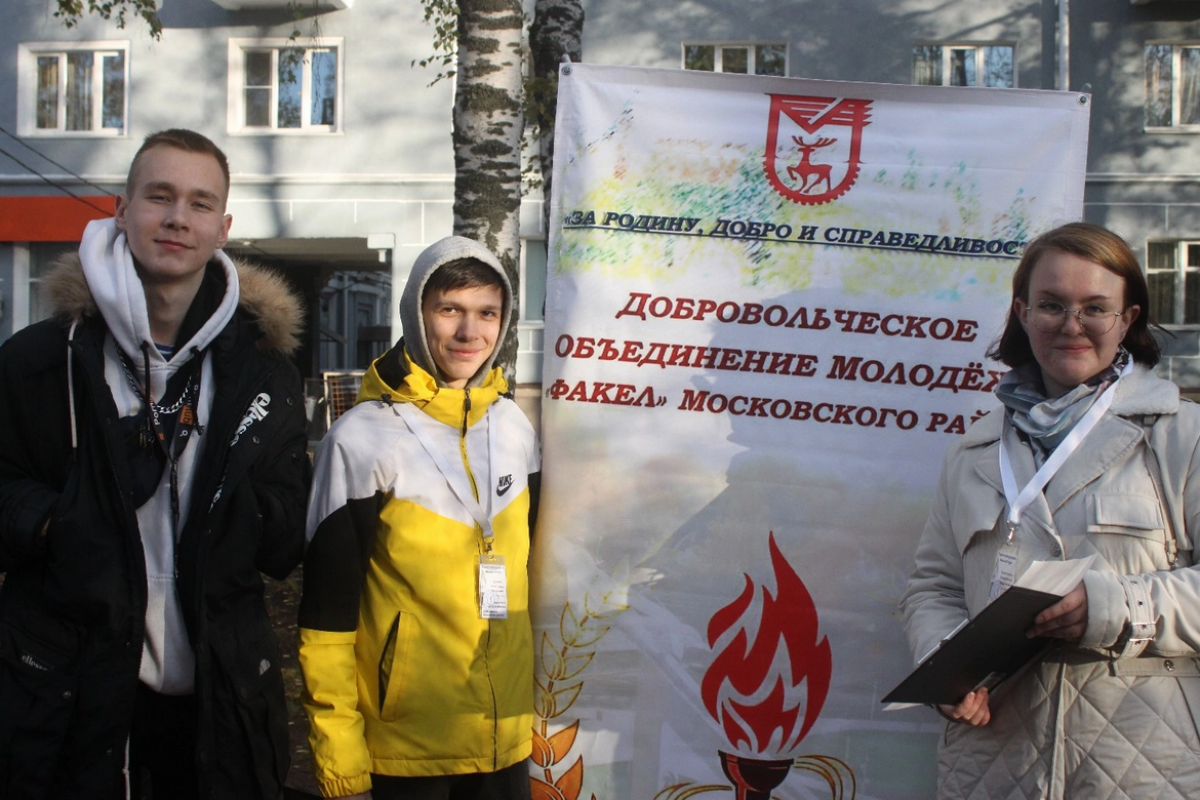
(412, 321)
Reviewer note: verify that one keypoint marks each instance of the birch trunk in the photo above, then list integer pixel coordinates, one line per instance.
(488, 124)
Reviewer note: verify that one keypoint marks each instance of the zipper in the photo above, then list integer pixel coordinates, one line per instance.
(462, 444)
(487, 547)
(206, 513)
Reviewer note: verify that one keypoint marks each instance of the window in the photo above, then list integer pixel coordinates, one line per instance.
(1173, 272)
(531, 332)
(739, 58)
(72, 89)
(964, 65)
(1172, 86)
(533, 280)
(285, 86)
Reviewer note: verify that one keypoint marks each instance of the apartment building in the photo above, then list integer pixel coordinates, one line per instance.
(341, 151)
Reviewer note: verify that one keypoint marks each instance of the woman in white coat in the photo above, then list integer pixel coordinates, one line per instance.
(1110, 710)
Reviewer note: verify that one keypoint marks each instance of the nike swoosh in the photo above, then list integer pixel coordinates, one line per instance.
(502, 490)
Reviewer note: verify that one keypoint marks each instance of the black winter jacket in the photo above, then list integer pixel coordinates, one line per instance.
(73, 601)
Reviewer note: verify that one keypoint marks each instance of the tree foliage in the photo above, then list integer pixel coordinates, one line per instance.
(442, 16)
(72, 11)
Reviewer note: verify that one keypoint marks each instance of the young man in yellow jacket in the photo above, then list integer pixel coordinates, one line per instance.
(415, 639)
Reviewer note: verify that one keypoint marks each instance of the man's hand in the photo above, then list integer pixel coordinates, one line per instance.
(972, 709)
(1066, 619)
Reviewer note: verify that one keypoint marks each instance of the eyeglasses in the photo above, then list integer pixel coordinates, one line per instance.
(1049, 317)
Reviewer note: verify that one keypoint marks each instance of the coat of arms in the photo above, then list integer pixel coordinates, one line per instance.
(813, 144)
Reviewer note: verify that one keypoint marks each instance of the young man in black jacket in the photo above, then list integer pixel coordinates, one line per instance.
(152, 463)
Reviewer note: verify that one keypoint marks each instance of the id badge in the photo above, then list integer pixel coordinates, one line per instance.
(1006, 569)
(493, 587)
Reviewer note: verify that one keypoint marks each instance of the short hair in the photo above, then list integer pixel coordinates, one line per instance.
(1100, 246)
(462, 273)
(180, 139)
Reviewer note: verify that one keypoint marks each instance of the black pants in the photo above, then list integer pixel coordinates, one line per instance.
(510, 783)
(162, 747)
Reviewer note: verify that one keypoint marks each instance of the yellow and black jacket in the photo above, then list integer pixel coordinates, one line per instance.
(403, 676)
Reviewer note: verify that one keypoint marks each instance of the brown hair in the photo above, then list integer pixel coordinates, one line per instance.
(463, 273)
(180, 139)
(1098, 245)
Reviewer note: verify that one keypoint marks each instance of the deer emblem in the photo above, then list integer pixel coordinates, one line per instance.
(810, 175)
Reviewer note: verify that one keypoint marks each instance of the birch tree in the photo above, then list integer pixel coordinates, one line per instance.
(489, 122)
(490, 114)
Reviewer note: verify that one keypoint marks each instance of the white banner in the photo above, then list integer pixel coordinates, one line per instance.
(767, 310)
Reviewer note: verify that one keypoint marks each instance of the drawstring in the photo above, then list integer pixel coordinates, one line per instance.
(198, 365)
(151, 431)
(186, 407)
(125, 771)
(146, 367)
(71, 389)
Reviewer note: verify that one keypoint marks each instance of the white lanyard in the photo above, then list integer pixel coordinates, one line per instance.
(1019, 501)
(420, 424)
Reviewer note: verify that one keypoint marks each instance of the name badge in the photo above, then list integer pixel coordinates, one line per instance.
(1006, 569)
(493, 587)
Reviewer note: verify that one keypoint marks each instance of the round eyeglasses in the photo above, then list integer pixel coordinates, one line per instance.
(1049, 317)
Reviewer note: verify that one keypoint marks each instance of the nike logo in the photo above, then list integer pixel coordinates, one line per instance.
(503, 485)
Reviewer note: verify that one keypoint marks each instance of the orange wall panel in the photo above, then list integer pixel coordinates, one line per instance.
(50, 219)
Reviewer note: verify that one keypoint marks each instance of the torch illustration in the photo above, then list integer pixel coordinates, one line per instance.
(768, 681)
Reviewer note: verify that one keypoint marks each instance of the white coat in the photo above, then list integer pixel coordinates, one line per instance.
(1110, 716)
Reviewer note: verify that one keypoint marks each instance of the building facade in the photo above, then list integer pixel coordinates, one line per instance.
(341, 152)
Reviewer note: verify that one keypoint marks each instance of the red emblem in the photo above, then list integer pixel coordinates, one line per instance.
(813, 146)
(767, 684)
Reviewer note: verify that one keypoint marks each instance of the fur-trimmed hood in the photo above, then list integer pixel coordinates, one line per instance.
(265, 295)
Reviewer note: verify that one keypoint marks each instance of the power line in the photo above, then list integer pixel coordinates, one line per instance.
(42, 155)
(56, 185)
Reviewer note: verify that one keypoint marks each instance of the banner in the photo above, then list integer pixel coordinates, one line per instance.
(768, 306)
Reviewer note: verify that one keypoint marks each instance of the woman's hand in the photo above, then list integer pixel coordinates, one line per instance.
(972, 709)
(1066, 619)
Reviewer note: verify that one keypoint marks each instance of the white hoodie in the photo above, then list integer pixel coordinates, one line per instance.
(168, 663)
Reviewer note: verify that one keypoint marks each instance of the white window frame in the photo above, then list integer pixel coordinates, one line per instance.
(980, 63)
(1177, 48)
(1180, 269)
(27, 86)
(236, 109)
(719, 48)
(531, 333)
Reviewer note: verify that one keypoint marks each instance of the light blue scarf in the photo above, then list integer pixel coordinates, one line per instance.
(1047, 421)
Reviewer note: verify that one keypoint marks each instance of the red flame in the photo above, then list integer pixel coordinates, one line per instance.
(757, 692)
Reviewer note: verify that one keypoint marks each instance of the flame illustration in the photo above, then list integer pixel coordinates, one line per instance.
(767, 694)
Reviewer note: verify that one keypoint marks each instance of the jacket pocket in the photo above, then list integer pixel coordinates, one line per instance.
(1129, 532)
(250, 720)
(392, 663)
(38, 689)
(1129, 514)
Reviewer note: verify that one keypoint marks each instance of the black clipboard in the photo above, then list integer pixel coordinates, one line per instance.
(983, 653)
